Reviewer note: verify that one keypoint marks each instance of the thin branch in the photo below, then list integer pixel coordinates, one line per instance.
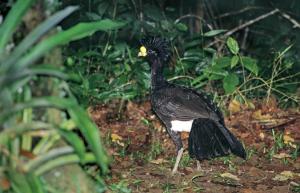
(188, 16)
(236, 12)
(250, 22)
(244, 25)
(293, 21)
(195, 17)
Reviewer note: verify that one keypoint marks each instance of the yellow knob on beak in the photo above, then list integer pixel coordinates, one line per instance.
(142, 52)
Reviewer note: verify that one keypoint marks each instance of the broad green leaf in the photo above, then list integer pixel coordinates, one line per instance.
(63, 160)
(75, 141)
(234, 61)
(19, 129)
(92, 135)
(210, 50)
(37, 33)
(215, 77)
(215, 73)
(33, 164)
(192, 44)
(78, 115)
(232, 45)
(12, 20)
(19, 182)
(181, 27)
(213, 32)
(47, 70)
(230, 82)
(50, 101)
(250, 64)
(222, 62)
(35, 183)
(199, 79)
(79, 31)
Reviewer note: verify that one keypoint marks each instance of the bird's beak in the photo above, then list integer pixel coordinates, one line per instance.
(142, 52)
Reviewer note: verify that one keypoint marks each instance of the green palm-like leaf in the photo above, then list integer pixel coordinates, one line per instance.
(11, 22)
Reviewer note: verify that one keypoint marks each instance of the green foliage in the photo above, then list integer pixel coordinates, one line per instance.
(230, 82)
(39, 125)
(121, 187)
(109, 67)
(233, 46)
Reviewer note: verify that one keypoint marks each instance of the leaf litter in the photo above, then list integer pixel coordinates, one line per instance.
(143, 154)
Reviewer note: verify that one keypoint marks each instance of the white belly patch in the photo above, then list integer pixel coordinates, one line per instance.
(180, 126)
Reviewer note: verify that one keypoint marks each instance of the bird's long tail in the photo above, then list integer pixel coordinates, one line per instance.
(209, 139)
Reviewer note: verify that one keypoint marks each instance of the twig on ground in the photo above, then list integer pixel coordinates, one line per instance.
(280, 125)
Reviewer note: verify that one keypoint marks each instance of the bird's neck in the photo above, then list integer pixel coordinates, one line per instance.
(157, 78)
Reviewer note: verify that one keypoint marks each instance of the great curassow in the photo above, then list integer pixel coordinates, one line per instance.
(183, 109)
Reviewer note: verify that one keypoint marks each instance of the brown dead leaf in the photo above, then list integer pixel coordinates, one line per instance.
(250, 105)
(287, 139)
(159, 161)
(234, 106)
(281, 155)
(284, 176)
(230, 176)
(261, 135)
(259, 116)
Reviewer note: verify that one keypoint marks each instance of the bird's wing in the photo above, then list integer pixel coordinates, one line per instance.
(184, 104)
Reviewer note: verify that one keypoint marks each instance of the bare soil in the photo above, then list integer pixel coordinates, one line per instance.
(143, 154)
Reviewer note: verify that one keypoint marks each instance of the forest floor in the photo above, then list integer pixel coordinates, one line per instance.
(143, 154)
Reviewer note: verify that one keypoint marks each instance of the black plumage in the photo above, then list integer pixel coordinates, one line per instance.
(177, 106)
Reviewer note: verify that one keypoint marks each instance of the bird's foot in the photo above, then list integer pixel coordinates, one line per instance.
(200, 169)
(173, 173)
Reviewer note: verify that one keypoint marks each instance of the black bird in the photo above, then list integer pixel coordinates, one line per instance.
(184, 109)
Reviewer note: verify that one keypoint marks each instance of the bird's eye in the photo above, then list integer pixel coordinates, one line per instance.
(151, 52)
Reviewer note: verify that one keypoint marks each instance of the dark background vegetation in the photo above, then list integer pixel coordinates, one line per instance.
(242, 52)
(185, 24)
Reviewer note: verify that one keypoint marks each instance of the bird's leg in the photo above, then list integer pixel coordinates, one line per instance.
(177, 140)
(198, 166)
(178, 158)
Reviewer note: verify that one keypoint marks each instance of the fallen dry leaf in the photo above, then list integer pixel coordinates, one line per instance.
(287, 139)
(250, 105)
(288, 174)
(158, 161)
(259, 116)
(261, 135)
(234, 106)
(230, 176)
(284, 176)
(281, 155)
(115, 137)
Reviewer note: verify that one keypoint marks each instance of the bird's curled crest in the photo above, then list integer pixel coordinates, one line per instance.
(159, 45)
